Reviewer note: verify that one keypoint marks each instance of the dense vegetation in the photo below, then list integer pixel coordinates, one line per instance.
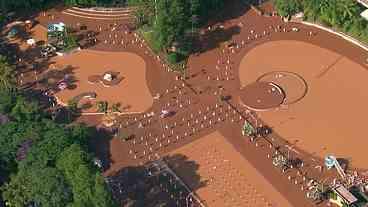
(42, 162)
(172, 24)
(8, 5)
(340, 14)
(94, 2)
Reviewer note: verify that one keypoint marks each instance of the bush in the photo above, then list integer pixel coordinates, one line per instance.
(173, 58)
(102, 106)
(332, 195)
(73, 105)
(288, 7)
(2, 19)
(116, 107)
(70, 42)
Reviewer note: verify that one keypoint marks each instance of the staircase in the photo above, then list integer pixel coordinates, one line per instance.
(101, 13)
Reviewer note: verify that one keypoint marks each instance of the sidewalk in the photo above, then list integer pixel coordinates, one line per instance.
(338, 33)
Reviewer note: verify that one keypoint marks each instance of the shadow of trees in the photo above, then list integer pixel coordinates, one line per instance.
(51, 78)
(139, 186)
(186, 169)
(87, 38)
(214, 38)
(26, 60)
(99, 144)
(233, 9)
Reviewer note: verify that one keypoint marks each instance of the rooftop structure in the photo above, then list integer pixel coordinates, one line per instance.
(58, 27)
(363, 2)
(344, 195)
(364, 14)
(354, 197)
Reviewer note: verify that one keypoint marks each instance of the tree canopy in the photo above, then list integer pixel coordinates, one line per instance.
(54, 168)
(43, 186)
(7, 74)
(288, 7)
(171, 23)
(341, 14)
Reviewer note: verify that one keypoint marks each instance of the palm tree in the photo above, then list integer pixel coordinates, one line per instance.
(7, 76)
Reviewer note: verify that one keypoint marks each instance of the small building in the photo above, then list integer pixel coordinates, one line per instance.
(349, 198)
(58, 27)
(364, 14)
(363, 2)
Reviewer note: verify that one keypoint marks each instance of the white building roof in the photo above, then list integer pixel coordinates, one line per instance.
(364, 14)
(363, 2)
(345, 194)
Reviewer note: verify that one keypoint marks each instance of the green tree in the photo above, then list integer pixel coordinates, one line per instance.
(49, 147)
(346, 11)
(73, 106)
(7, 74)
(144, 12)
(312, 9)
(79, 134)
(102, 197)
(8, 145)
(195, 12)
(83, 186)
(173, 20)
(116, 107)
(85, 3)
(70, 159)
(73, 162)
(70, 41)
(288, 7)
(44, 186)
(102, 106)
(7, 100)
(56, 170)
(209, 7)
(25, 110)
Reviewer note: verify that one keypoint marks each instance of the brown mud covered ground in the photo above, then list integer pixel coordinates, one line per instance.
(230, 180)
(327, 120)
(221, 70)
(132, 92)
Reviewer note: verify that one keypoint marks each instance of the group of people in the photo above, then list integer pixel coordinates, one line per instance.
(149, 144)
